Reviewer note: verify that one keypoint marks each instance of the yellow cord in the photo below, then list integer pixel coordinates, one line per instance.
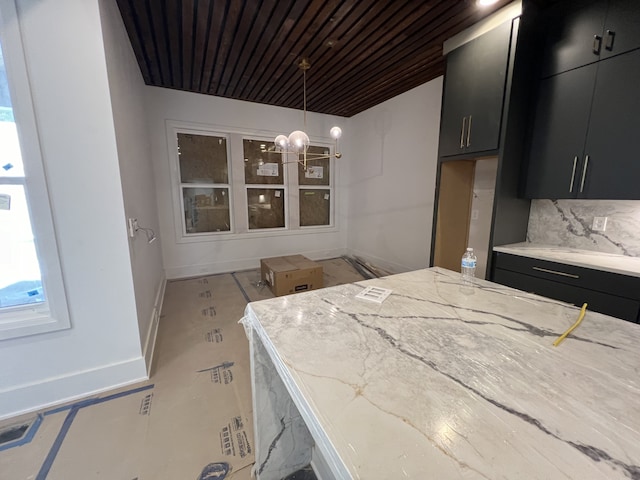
(572, 327)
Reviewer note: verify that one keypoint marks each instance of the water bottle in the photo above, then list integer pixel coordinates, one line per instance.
(468, 266)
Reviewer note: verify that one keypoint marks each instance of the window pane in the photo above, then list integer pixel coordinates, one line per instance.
(314, 207)
(203, 159)
(206, 209)
(317, 172)
(262, 165)
(10, 157)
(266, 207)
(20, 280)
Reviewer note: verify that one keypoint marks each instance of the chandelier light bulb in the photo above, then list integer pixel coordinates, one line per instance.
(281, 141)
(299, 141)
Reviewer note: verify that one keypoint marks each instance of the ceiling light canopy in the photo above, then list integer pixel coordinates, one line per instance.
(298, 141)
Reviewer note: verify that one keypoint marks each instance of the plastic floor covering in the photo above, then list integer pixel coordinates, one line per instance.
(191, 420)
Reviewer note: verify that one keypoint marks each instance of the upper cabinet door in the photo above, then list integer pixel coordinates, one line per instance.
(489, 61)
(559, 133)
(474, 93)
(573, 35)
(613, 168)
(455, 103)
(622, 28)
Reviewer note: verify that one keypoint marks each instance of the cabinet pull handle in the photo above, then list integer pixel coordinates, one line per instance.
(469, 132)
(584, 173)
(597, 43)
(573, 173)
(464, 120)
(611, 36)
(555, 272)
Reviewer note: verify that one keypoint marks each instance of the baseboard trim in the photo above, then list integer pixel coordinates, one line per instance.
(243, 264)
(55, 391)
(152, 332)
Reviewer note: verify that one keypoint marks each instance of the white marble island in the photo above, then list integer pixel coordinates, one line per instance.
(442, 382)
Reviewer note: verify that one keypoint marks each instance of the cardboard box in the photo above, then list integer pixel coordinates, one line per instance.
(291, 274)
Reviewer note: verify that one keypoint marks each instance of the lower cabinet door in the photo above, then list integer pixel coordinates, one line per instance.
(612, 305)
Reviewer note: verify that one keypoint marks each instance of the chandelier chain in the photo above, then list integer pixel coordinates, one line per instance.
(304, 96)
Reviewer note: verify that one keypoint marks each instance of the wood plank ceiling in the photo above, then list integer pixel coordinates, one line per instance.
(361, 52)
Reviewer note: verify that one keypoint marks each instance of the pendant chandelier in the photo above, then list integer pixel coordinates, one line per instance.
(297, 142)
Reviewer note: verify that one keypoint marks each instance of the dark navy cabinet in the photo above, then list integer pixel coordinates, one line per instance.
(604, 292)
(584, 133)
(474, 94)
(613, 168)
(582, 141)
(559, 133)
(579, 32)
(496, 74)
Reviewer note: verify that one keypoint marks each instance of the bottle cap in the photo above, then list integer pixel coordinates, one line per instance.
(469, 249)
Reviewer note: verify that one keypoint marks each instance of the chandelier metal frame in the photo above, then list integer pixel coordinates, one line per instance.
(297, 143)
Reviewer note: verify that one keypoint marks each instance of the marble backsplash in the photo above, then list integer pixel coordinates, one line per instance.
(567, 223)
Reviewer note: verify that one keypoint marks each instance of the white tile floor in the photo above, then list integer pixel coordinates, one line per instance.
(191, 420)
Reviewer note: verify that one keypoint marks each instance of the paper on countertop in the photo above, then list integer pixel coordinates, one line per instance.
(374, 294)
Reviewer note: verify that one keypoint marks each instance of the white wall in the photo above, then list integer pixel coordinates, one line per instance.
(484, 188)
(234, 253)
(67, 68)
(136, 170)
(392, 169)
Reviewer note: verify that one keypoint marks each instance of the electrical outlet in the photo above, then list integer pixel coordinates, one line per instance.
(599, 224)
(133, 226)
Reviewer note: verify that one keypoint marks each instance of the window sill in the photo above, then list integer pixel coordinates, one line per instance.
(275, 232)
(22, 322)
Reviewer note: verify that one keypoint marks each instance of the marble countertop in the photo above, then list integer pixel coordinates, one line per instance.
(609, 262)
(450, 382)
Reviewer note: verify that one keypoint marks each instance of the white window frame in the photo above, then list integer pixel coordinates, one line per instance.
(330, 187)
(178, 194)
(52, 314)
(268, 186)
(238, 194)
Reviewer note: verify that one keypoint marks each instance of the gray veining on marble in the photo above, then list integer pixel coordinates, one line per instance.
(438, 382)
(567, 223)
(608, 262)
(283, 443)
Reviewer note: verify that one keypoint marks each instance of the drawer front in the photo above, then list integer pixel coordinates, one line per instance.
(615, 306)
(591, 279)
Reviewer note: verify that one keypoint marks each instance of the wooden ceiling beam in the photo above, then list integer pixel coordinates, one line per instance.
(361, 52)
(385, 54)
